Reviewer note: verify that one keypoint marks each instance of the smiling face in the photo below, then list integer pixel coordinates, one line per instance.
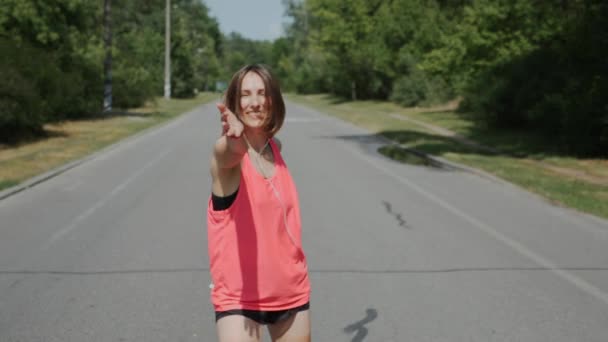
(254, 102)
(255, 97)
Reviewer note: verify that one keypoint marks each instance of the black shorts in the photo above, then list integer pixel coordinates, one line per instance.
(263, 317)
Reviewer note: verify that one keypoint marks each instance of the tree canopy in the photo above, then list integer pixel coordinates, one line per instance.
(534, 65)
(518, 64)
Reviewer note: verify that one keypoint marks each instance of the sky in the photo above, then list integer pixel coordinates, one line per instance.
(253, 19)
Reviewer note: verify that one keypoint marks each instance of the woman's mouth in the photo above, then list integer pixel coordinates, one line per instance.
(257, 115)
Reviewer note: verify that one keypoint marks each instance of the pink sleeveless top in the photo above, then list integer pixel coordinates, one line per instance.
(255, 263)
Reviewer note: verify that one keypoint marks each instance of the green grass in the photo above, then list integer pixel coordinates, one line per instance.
(7, 183)
(72, 140)
(523, 158)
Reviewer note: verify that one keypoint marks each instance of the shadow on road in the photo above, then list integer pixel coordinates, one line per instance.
(377, 143)
(359, 326)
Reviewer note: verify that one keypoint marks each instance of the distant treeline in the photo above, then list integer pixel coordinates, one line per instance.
(536, 65)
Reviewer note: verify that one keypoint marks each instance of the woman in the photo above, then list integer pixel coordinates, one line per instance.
(257, 264)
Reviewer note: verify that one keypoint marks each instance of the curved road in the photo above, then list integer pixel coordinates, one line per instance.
(115, 248)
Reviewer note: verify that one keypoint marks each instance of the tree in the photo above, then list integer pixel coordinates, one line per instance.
(107, 63)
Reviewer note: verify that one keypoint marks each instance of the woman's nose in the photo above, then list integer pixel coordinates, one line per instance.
(256, 100)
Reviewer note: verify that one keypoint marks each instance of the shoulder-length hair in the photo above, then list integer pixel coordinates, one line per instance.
(274, 99)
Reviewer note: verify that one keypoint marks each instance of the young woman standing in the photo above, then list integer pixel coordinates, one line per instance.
(258, 267)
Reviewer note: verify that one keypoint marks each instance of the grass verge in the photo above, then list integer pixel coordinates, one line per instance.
(518, 157)
(72, 140)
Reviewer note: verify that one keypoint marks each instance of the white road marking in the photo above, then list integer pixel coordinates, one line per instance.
(60, 233)
(73, 186)
(142, 136)
(580, 283)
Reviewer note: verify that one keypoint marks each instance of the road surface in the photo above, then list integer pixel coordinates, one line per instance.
(115, 248)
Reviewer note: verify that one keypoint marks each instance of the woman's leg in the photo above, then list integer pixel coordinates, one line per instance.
(237, 328)
(294, 329)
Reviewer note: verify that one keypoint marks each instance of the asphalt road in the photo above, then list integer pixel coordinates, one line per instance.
(115, 248)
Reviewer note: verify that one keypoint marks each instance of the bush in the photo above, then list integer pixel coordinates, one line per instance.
(81, 92)
(419, 88)
(132, 86)
(19, 105)
(558, 91)
(23, 109)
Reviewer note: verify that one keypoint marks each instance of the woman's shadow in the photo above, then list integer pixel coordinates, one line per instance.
(359, 327)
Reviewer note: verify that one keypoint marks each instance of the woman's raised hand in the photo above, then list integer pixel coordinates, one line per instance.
(232, 127)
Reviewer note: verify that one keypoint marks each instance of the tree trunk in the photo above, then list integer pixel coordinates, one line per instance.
(167, 92)
(107, 63)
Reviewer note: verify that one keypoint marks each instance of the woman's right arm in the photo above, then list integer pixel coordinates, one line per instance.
(228, 152)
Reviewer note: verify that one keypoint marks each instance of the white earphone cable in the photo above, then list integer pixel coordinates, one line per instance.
(274, 189)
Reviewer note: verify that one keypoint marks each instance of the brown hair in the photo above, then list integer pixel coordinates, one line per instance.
(274, 100)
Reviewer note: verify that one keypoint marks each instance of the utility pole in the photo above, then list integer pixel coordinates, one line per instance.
(107, 63)
(168, 50)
